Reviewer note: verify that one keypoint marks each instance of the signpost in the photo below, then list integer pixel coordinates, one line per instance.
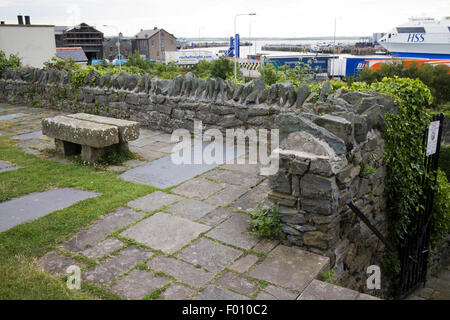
(433, 132)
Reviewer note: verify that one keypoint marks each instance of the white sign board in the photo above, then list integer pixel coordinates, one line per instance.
(188, 57)
(433, 132)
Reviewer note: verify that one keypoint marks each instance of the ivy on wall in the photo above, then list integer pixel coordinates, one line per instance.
(404, 164)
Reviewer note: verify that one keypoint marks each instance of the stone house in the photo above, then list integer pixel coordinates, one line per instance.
(111, 51)
(154, 43)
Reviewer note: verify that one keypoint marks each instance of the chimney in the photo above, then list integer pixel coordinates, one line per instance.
(27, 20)
(20, 19)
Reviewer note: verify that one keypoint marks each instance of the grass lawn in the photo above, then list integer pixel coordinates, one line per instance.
(20, 246)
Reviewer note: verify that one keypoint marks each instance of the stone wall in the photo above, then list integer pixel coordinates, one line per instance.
(331, 152)
(157, 104)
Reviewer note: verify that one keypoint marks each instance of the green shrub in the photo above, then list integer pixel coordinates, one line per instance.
(440, 226)
(266, 222)
(222, 68)
(135, 60)
(437, 78)
(269, 74)
(202, 69)
(12, 62)
(60, 64)
(405, 166)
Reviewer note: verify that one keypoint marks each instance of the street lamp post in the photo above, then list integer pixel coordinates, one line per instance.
(235, 42)
(334, 38)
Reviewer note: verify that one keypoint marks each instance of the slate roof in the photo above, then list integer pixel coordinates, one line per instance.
(145, 34)
(76, 53)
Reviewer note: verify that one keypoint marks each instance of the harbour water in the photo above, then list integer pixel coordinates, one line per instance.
(256, 47)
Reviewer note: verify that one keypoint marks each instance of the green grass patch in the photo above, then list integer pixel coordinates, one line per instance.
(36, 237)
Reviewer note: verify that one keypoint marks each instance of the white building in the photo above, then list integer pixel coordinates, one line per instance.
(34, 43)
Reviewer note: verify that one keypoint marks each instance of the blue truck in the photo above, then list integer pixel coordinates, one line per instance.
(334, 65)
(318, 63)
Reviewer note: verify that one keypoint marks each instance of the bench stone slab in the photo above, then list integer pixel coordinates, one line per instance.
(128, 130)
(86, 133)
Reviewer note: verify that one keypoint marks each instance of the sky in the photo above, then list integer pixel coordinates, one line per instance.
(212, 18)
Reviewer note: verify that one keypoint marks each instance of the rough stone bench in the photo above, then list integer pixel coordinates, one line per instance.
(90, 135)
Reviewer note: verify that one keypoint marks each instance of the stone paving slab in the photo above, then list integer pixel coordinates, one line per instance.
(210, 255)
(181, 270)
(12, 116)
(319, 290)
(233, 177)
(235, 232)
(138, 283)
(254, 197)
(290, 267)
(236, 282)
(212, 292)
(244, 263)
(35, 205)
(113, 221)
(265, 245)
(103, 248)
(165, 232)
(154, 201)
(216, 217)
(31, 135)
(5, 166)
(276, 293)
(164, 172)
(227, 195)
(53, 262)
(199, 188)
(191, 209)
(246, 168)
(112, 267)
(148, 154)
(177, 291)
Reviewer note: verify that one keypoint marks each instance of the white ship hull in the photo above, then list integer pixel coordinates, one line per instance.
(421, 38)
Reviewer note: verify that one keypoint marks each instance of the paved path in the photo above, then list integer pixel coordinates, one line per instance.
(437, 287)
(191, 242)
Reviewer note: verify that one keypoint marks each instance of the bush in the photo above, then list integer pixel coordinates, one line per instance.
(57, 63)
(440, 226)
(269, 74)
(437, 78)
(12, 62)
(405, 166)
(222, 68)
(266, 223)
(135, 60)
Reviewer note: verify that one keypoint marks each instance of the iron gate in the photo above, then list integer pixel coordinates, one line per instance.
(414, 254)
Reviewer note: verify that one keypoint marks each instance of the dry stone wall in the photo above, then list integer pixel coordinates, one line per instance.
(330, 152)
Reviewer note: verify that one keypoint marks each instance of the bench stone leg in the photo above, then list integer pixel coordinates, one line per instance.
(67, 148)
(91, 154)
(123, 146)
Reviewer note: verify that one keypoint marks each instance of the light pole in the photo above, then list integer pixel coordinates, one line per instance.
(117, 44)
(235, 42)
(334, 37)
(198, 44)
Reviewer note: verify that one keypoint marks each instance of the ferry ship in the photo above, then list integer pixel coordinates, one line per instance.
(419, 38)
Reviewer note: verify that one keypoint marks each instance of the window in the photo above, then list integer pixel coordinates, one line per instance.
(153, 43)
(171, 41)
(411, 30)
(162, 43)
